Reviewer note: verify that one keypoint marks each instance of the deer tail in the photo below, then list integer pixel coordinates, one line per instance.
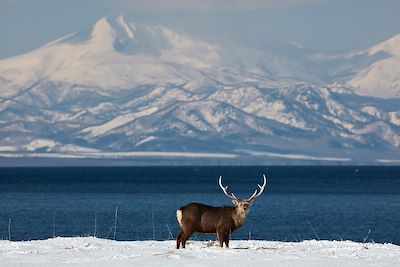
(179, 217)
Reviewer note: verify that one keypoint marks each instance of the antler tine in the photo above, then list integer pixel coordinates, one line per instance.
(253, 195)
(224, 188)
(261, 187)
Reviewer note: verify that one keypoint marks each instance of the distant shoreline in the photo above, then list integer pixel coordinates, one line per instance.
(178, 159)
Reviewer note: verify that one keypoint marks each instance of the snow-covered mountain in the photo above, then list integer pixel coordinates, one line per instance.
(382, 78)
(124, 89)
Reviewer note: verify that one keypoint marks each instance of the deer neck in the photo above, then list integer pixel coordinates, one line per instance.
(239, 217)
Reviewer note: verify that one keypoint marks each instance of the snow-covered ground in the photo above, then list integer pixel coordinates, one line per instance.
(89, 251)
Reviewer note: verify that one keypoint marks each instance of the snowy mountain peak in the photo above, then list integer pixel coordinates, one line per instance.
(381, 78)
(113, 54)
(117, 34)
(120, 86)
(120, 22)
(103, 34)
(113, 32)
(390, 46)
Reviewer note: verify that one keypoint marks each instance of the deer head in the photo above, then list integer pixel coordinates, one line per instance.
(243, 206)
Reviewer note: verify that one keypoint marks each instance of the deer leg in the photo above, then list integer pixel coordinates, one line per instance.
(219, 237)
(185, 237)
(179, 240)
(227, 241)
(224, 239)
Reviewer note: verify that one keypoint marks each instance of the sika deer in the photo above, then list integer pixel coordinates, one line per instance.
(201, 218)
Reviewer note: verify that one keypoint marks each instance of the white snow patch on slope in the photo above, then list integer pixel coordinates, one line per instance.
(8, 148)
(89, 251)
(251, 100)
(372, 111)
(101, 108)
(383, 130)
(147, 139)
(41, 143)
(277, 111)
(53, 149)
(117, 122)
(395, 118)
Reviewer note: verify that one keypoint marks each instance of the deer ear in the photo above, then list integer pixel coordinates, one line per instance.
(235, 202)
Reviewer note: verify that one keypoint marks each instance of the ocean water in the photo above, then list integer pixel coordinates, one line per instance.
(299, 203)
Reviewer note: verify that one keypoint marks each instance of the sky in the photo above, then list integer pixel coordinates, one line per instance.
(320, 25)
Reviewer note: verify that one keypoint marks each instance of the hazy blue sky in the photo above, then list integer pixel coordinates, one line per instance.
(323, 25)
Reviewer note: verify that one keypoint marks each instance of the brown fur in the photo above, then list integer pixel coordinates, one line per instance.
(202, 218)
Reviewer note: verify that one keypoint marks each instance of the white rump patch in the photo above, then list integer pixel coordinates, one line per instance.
(179, 217)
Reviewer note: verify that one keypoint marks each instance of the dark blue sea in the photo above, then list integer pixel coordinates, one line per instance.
(300, 203)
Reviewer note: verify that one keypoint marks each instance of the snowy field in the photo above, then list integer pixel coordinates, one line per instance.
(89, 251)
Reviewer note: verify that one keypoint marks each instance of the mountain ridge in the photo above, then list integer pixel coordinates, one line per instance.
(120, 88)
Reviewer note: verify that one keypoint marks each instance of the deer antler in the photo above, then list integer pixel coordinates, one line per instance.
(257, 194)
(224, 188)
